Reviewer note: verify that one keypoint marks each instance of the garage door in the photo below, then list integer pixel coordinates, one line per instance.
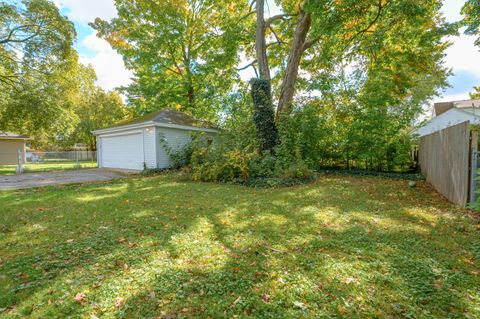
(123, 151)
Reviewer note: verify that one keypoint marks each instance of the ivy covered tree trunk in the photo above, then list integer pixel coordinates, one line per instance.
(264, 114)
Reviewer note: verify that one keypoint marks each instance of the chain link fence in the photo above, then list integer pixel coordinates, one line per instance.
(77, 156)
(39, 161)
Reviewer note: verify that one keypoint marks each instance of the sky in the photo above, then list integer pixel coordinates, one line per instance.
(462, 56)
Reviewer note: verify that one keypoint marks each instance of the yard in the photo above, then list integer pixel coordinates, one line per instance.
(47, 166)
(345, 247)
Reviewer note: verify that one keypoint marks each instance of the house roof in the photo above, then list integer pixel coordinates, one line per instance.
(443, 107)
(10, 136)
(168, 116)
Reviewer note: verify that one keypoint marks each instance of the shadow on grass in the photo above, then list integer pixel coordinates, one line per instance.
(151, 247)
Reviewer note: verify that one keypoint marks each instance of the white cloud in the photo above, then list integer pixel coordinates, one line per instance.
(111, 71)
(85, 11)
(108, 64)
(454, 97)
(463, 55)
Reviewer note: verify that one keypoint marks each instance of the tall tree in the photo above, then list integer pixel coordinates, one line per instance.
(34, 37)
(98, 109)
(314, 36)
(183, 52)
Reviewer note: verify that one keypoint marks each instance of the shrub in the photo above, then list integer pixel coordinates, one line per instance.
(219, 164)
(181, 156)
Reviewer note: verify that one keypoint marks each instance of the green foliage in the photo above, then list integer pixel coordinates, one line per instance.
(35, 39)
(182, 52)
(264, 115)
(182, 156)
(96, 109)
(45, 92)
(217, 164)
(476, 93)
(471, 10)
(37, 64)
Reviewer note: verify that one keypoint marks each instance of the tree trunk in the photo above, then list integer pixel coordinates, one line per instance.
(296, 52)
(260, 41)
(191, 96)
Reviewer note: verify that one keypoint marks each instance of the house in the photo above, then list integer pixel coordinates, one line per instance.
(12, 146)
(140, 143)
(447, 114)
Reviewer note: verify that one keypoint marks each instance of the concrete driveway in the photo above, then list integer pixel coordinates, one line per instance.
(29, 180)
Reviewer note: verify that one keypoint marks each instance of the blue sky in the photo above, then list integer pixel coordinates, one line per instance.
(463, 57)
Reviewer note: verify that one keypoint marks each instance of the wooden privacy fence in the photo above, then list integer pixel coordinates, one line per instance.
(446, 159)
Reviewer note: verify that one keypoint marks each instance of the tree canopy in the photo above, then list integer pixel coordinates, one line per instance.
(471, 10)
(183, 52)
(313, 40)
(44, 91)
(34, 38)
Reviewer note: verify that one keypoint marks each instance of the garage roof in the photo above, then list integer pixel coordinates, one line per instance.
(164, 118)
(169, 116)
(10, 136)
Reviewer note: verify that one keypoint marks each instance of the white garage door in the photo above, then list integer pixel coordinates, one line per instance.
(123, 151)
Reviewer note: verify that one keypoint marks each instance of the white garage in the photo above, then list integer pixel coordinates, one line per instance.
(140, 143)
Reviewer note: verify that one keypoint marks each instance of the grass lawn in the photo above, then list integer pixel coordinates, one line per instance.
(147, 247)
(46, 166)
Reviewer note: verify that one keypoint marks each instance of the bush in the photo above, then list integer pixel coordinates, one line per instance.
(217, 163)
(308, 140)
(181, 156)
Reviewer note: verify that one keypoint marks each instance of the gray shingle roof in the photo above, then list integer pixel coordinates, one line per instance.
(8, 135)
(169, 116)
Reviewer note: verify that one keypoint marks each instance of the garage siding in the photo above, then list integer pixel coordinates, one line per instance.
(149, 142)
(175, 138)
(135, 149)
(9, 151)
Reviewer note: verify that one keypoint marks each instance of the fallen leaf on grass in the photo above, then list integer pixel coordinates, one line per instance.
(236, 301)
(300, 305)
(266, 298)
(151, 295)
(119, 302)
(23, 275)
(81, 298)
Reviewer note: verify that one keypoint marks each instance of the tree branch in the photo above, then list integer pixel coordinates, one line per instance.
(276, 35)
(10, 36)
(247, 66)
(309, 43)
(283, 16)
(247, 15)
(379, 13)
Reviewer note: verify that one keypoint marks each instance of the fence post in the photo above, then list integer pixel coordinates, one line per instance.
(20, 162)
(473, 166)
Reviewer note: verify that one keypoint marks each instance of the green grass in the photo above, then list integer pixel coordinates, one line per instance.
(47, 166)
(147, 247)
